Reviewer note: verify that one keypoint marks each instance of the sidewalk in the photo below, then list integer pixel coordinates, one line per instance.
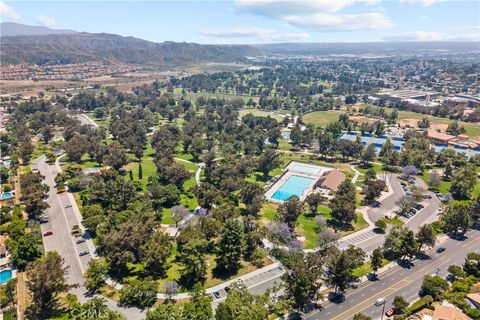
(246, 278)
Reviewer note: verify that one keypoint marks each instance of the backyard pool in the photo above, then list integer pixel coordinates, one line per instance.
(5, 275)
(305, 169)
(7, 195)
(293, 186)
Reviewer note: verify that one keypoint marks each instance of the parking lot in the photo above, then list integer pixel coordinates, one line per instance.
(58, 222)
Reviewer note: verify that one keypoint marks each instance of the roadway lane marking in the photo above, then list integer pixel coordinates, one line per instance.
(474, 241)
(420, 271)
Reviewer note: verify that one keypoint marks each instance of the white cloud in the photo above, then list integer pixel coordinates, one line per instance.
(319, 14)
(47, 21)
(344, 22)
(8, 12)
(465, 33)
(262, 34)
(423, 3)
(279, 8)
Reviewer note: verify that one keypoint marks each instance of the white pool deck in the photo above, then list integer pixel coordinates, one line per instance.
(298, 169)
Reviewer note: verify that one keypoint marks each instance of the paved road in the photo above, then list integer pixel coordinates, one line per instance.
(397, 281)
(370, 240)
(60, 221)
(389, 203)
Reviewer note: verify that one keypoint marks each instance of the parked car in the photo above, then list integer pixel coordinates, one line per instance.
(47, 233)
(419, 206)
(83, 253)
(216, 294)
(390, 312)
(81, 240)
(68, 206)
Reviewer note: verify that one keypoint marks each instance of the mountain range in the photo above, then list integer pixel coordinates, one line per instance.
(40, 45)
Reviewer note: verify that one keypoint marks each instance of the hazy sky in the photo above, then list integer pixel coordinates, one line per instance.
(259, 21)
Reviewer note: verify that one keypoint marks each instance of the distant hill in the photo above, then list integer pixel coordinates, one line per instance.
(366, 48)
(81, 47)
(18, 29)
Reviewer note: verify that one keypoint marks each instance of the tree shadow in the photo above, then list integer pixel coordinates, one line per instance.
(223, 274)
(422, 256)
(339, 226)
(336, 298)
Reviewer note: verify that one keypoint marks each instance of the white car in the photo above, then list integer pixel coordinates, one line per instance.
(380, 301)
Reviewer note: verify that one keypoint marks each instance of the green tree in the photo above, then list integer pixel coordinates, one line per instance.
(463, 182)
(457, 217)
(97, 309)
(376, 259)
(340, 269)
(456, 271)
(139, 293)
(252, 197)
(400, 304)
(368, 155)
(155, 252)
(426, 236)
(24, 249)
(199, 307)
(230, 246)
(343, 204)
(381, 226)
(289, 211)
(268, 161)
(242, 305)
(192, 256)
(116, 156)
(302, 279)
(46, 282)
(314, 200)
(96, 274)
(434, 286)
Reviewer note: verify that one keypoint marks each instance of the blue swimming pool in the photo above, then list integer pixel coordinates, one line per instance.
(7, 195)
(5, 275)
(293, 186)
(306, 169)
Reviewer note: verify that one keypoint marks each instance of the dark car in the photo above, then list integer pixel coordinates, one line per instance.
(83, 253)
(440, 250)
(216, 294)
(47, 233)
(81, 240)
(418, 206)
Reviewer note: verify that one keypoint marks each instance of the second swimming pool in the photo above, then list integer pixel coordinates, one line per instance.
(293, 186)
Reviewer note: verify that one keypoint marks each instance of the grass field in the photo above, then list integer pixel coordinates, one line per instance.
(308, 227)
(174, 269)
(321, 118)
(260, 113)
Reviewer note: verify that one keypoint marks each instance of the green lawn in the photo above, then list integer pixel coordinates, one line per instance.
(268, 211)
(322, 118)
(260, 113)
(284, 145)
(366, 268)
(308, 228)
(148, 166)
